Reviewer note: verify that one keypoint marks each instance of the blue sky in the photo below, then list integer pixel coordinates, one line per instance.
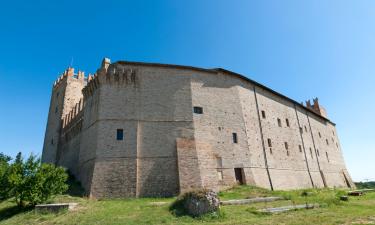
(303, 49)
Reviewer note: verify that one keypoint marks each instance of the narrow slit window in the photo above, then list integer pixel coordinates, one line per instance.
(301, 130)
(319, 134)
(300, 148)
(120, 134)
(234, 136)
(327, 141)
(311, 153)
(327, 156)
(269, 142)
(287, 122)
(198, 110)
(305, 128)
(263, 114)
(287, 152)
(286, 145)
(56, 109)
(279, 122)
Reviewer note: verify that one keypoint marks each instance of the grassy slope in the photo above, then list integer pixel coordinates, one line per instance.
(359, 210)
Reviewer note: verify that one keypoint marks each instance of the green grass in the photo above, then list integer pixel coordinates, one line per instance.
(358, 210)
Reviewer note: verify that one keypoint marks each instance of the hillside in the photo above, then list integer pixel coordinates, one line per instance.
(358, 210)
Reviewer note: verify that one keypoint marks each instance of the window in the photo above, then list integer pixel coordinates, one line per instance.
(234, 136)
(56, 109)
(287, 122)
(327, 156)
(279, 122)
(333, 133)
(271, 151)
(319, 134)
(286, 145)
(327, 141)
(52, 141)
(311, 153)
(287, 152)
(120, 134)
(219, 162)
(301, 130)
(198, 110)
(300, 148)
(269, 142)
(263, 114)
(220, 174)
(305, 128)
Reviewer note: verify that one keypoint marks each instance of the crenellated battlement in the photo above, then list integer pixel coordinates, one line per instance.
(73, 115)
(316, 107)
(69, 72)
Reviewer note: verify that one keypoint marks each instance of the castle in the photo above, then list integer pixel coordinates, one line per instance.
(145, 129)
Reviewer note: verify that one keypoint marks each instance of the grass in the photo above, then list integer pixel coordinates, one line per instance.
(358, 210)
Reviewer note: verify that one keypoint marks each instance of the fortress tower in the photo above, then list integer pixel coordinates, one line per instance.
(147, 129)
(66, 93)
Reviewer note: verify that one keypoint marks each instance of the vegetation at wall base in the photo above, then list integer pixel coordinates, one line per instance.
(358, 210)
(30, 182)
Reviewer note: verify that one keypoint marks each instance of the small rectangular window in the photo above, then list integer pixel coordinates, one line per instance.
(311, 153)
(120, 134)
(327, 141)
(234, 136)
(56, 109)
(287, 152)
(327, 156)
(198, 110)
(279, 122)
(286, 145)
(269, 142)
(263, 114)
(287, 122)
(271, 151)
(219, 162)
(220, 175)
(319, 134)
(300, 148)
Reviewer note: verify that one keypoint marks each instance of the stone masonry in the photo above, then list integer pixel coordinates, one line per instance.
(144, 129)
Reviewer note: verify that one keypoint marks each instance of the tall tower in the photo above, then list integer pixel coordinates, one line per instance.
(66, 93)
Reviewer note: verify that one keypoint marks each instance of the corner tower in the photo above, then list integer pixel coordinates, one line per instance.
(66, 93)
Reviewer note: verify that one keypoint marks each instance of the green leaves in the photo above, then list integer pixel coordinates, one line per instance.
(31, 182)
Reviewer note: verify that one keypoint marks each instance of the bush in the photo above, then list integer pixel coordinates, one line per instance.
(4, 171)
(30, 182)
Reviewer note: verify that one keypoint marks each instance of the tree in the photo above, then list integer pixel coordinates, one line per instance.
(32, 182)
(4, 171)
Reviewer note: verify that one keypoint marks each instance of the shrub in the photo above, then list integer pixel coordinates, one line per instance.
(4, 171)
(30, 182)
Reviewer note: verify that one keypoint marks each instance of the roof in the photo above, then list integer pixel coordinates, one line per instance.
(215, 71)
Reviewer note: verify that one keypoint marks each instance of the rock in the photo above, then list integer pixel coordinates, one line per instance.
(200, 202)
(55, 208)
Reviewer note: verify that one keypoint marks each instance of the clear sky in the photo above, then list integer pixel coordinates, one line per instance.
(303, 49)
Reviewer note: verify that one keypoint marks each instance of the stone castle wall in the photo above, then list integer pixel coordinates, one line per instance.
(167, 148)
